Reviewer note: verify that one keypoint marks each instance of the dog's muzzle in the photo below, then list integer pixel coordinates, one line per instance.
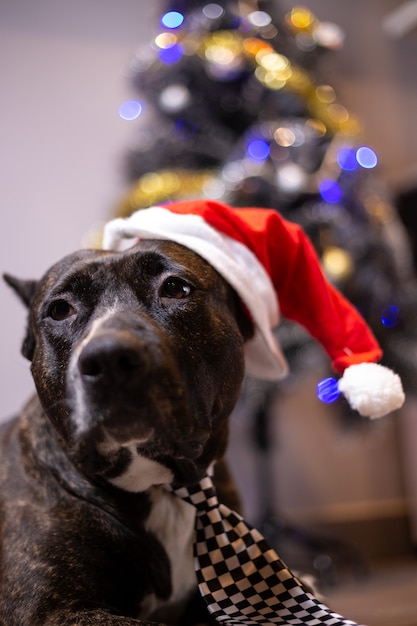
(125, 387)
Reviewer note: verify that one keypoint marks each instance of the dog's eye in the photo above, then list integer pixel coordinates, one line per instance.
(175, 288)
(60, 310)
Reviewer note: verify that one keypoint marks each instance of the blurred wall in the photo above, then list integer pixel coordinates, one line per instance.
(375, 76)
(63, 76)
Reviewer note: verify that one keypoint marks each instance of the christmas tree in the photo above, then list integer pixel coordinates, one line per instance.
(233, 107)
(232, 102)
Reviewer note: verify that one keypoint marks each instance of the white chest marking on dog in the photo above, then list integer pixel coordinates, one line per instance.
(172, 521)
(141, 473)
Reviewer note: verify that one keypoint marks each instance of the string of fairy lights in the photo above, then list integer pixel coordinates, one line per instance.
(226, 52)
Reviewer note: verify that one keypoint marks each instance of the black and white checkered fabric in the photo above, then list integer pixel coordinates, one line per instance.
(241, 578)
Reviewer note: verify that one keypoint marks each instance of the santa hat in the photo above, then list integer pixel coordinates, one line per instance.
(273, 267)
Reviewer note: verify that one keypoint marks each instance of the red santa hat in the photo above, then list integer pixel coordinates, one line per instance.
(272, 265)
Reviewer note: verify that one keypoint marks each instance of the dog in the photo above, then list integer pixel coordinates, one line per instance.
(138, 360)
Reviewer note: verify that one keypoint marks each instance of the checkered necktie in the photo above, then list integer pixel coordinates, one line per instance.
(241, 578)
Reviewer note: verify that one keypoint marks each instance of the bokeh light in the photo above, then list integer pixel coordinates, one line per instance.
(257, 150)
(259, 18)
(284, 137)
(301, 18)
(390, 316)
(171, 55)
(174, 98)
(329, 35)
(366, 157)
(130, 110)
(172, 19)
(330, 191)
(337, 263)
(213, 11)
(325, 93)
(291, 178)
(346, 159)
(166, 40)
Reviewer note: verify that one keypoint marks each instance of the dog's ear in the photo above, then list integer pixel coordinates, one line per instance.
(25, 289)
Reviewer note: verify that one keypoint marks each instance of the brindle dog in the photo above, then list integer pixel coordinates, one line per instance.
(137, 358)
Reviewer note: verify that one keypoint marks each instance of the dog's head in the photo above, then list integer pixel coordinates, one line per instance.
(137, 358)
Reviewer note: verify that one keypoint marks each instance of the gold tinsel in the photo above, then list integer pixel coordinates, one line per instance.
(230, 49)
(164, 186)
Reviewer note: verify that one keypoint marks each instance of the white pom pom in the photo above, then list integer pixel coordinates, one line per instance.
(372, 389)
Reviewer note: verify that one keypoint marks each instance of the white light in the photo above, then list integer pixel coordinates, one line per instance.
(329, 35)
(291, 178)
(213, 11)
(366, 157)
(233, 172)
(259, 18)
(174, 98)
(214, 189)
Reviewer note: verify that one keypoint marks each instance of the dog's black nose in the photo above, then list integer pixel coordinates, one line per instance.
(111, 357)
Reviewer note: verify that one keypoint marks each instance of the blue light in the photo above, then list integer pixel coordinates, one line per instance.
(130, 110)
(184, 129)
(346, 159)
(328, 390)
(330, 191)
(258, 150)
(172, 19)
(390, 316)
(366, 157)
(171, 55)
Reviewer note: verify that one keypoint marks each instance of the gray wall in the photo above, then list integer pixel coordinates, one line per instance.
(63, 76)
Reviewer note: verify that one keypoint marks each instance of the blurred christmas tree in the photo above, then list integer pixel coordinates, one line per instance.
(233, 107)
(233, 102)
